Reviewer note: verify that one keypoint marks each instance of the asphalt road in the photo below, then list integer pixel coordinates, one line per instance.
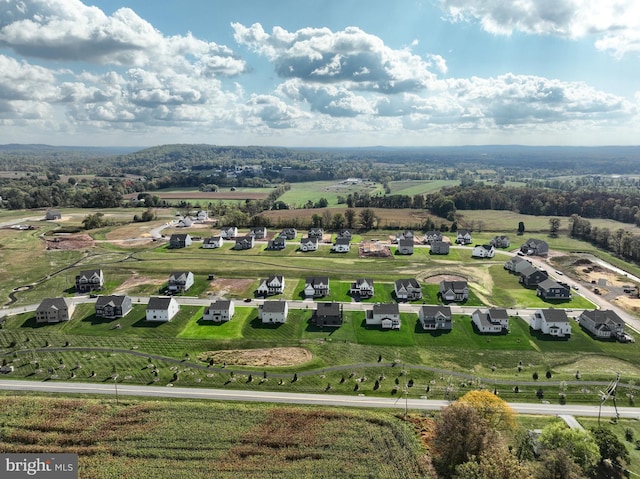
(297, 398)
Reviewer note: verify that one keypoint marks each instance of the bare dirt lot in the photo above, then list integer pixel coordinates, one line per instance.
(136, 280)
(69, 242)
(258, 357)
(225, 286)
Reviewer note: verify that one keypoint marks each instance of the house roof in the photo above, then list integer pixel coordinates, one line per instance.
(317, 281)
(112, 300)
(531, 270)
(328, 309)
(552, 315)
(273, 306)
(273, 277)
(159, 302)
(488, 247)
(309, 240)
(405, 242)
(364, 282)
(342, 241)
(179, 275)
(463, 233)
(604, 317)
(549, 283)
(90, 272)
(407, 283)
(178, 237)
(220, 305)
(212, 239)
(386, 308)
(52, 304)
(453, 285)
(431, 311)
(498, 313)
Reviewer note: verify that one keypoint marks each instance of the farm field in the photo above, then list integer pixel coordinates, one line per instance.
(150, 438)
(301, 193)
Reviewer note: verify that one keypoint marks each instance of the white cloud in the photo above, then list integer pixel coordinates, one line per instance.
(68, 30)
(615, 22)
(350, 55)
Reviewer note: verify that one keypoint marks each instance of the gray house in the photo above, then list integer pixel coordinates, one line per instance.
(89, 280)
(315, 233)
(289, 233)
(463, 237)
(550, 289)
(439, 247)
(405, 246)
(603, 324)
(277, 243)
(54, 310)
(179, 240)
(517, 264)
(432, 236)
(532, 276)
(535, 247)
(316, 287)
(500, 242)
(407, 289)
(244, 242)
(435, 318)
(454, 291)
(53, 215)
(111, 307)
(362, 287)
(327, 314)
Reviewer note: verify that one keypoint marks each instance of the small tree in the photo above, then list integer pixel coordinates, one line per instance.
(535, 375)
(554, 227)
(520, 228)
(548, 374)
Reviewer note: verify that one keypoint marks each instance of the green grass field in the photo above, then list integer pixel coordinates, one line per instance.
(152, 439)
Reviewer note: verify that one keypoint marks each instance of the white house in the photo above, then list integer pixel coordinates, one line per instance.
(54, 310)
(553, 322)
(316, 287)
(219, 311)
(274, 284)
(258, 232)
(362, 287)
(229, 232)
(202, 216)
(180, 281)
(213, 242)
(341, 245)
(483, 251)
(162, 308)
(454, 290)
(495, 320)
(385, 315)
(272, 312)
(309, 244)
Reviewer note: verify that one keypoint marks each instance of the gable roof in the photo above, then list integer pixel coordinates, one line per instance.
(603, 317)
(113, 300)
(273, 306)
(53, 303)
(159, 302)
(89, 273)
(220, 305)
(453, 285)
(552, 315)
(317, 281)
(430, 311)
(386, 308)
(179, 275)
(328, 309)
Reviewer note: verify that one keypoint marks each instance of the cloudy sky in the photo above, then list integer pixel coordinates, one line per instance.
(320, 72)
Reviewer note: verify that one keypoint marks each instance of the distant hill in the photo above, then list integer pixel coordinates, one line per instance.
(39, 150)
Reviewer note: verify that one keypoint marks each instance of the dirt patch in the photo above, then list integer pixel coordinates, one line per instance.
(443, 277)
(374, 249)
(136, 280)
(224, 286)
(273, 357)
(69, 242)
(628, 303)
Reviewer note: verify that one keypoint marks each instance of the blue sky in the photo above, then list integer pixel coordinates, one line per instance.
(320, 72)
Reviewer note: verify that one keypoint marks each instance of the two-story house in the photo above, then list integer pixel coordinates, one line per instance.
(309, 244)
(179, 240)
(344, 233)
(289, 233)
(531, 276)
(535, 247)
(406, 234)
(385, 315)
(316, 287)
(432, 236)
(405, 246)
(161, 308)
(277, 243)
(341, 245)
(89, 280)
(274, 284)
(273, 312)
(439, 247)
(315, 232)
(493, 321)
(483, 251)
(435, 318)
(114, 306)
(213, 242)
(603, 324)
(463, 237)
(327, 314)
(219, 311)
(258, 232)
(229, 232)
(54, 310)
(407, 289)
(552, 322)
(500, 241)
(180, 281)
(517, 264)
(454, 291)
(362, 288)
(550, 289)
(244, 242)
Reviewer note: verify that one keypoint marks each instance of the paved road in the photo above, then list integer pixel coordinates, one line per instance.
(297, 398)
